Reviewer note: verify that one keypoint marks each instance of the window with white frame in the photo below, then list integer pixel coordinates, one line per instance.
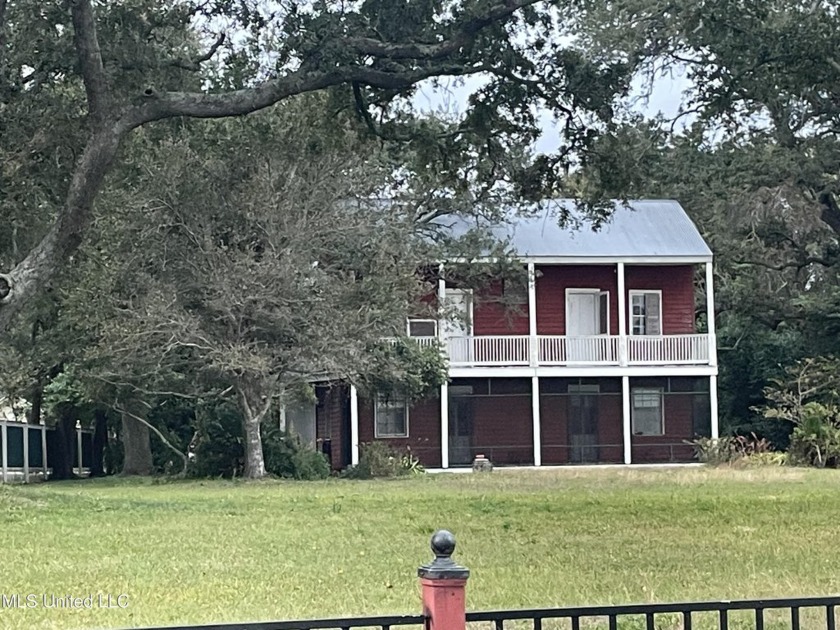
(422, 328)
(391, 416)
(645, 312)
(647, 411)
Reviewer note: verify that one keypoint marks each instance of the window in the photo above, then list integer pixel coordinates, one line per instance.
(604, 313)
(645, 312)
(391, 417)
(647, 411)
(422, 328)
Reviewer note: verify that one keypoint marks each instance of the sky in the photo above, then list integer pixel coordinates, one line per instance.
(664, 98)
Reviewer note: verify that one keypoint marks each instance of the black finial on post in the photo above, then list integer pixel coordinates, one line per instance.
(443, 567)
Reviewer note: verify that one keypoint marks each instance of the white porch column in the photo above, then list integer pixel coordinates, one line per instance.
(532, 315)
(354, 425)
(44, 447)
(79, 445)
(710, 313)
(622, 315)
(444, 425)
(535, 415)
(26, 453)
(5, 435)
(625, 417)
(713, 406)
(441, 291)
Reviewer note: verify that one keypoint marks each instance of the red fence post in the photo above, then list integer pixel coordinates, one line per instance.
(444, 586)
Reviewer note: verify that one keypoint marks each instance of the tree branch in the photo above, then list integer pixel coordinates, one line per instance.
(2, 29)
(90, 59)
(430, 52)
(830, 214)
(183, 457)
(158, 106)
(43, 262)
(194, 65)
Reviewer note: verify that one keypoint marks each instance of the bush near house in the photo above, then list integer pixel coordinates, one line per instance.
(378, 460)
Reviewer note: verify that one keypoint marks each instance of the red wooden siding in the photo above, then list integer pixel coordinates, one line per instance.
(677, 285)
(492, 317)
(329, 417)
(552, 282)
(423, 430)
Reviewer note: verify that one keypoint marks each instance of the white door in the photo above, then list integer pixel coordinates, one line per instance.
(582, 314)
(456, 328)
(586, 318)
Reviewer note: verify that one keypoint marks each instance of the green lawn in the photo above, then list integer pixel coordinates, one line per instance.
(195, 552)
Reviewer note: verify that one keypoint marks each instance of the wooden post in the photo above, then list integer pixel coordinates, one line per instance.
(533, 340)
(535, 419)
(5, 452)
(622, 316)
(44, 447)
(444, 585)
(26, 453)
(354, 425)
(626, 424)
(79, 445)
(710, 313)
(444, 425)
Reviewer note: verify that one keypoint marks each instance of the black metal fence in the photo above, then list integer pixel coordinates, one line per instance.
(673, 616)
(679, 616)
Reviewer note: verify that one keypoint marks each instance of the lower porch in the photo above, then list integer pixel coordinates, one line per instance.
(542, 421)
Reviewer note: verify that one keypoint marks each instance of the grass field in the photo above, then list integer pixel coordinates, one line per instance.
(193, 552)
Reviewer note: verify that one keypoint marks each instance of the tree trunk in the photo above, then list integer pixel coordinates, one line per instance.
(37, 399)
(100, 441)
(33, 273)
(255, 403)
(137, 445)
(61, 458)
(254, 459)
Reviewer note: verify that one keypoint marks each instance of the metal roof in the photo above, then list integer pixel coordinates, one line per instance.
(646, 229)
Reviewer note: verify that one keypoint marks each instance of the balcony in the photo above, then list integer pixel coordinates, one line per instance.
(556, 350)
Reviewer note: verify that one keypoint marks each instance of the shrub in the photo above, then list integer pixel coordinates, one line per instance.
(286, 457)
(816, 438)
(377, 459)
(730, 449)
(770, 458)
(218, 449)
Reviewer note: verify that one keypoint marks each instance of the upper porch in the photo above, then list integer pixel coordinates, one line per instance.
(574, 351)
(597, 315)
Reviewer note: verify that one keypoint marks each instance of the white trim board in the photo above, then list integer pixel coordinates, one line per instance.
(585, 372)
(594, 260)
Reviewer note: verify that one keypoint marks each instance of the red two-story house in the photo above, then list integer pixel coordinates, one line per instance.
(604, 361)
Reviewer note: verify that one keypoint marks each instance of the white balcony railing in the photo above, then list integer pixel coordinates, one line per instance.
(682, 349)
(555, 350)
(489, 350)
(595, 350)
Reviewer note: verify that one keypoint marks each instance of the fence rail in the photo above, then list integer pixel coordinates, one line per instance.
(614, 615)
(576, 617)
(338, 623)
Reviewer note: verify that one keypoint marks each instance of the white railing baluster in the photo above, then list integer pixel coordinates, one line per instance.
(515, 350)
